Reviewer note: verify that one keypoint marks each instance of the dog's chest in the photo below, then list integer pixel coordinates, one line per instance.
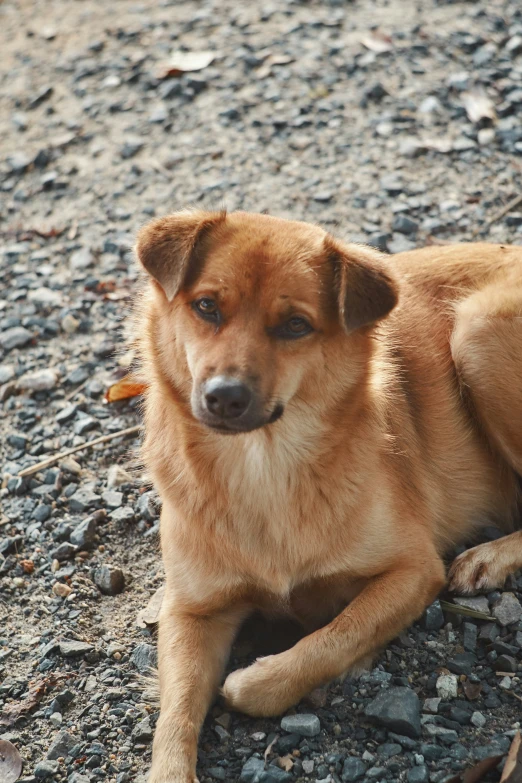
(267, 515)
(261, 484)
(287, 517)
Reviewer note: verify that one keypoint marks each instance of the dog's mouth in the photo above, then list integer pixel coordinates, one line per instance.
(276, 413)
(236, 426)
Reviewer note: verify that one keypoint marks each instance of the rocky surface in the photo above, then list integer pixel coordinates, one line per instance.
(398, 136)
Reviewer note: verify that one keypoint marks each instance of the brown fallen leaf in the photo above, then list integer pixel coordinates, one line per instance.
(477, 772)
(479, 107)
(125, 388)
(10, 762)
(377, 42)
(20, 709)
(149, 615)
(105, 286)
(268, 749)
(472, 690)
(27, 566)
(49, 233)
(286, 762)
(512, 772)
(186, 62)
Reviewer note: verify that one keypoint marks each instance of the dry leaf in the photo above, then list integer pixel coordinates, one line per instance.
(280, 59)
(149, 615)
(105, 286)
(512, 772)
(268, 749)
(19, 709)
(377, 42)
(472, 690)
(476, 773)
(186, 62)
(73, 231)
(10, 762)
(117, 296)
(28, 568)
(48, 233)
(125, 388)
(286, 763)
(479, 107)
(273, 59)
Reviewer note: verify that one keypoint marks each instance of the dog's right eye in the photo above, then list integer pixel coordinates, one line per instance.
(207, 308)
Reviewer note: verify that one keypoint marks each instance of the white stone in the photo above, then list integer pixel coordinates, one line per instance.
(70, 324)
(82, 258)
(486, 136)
(45, 296)
(91, 684)
(508, 610)
(39, 380)
(116, 476)
(431, 705)
(447, 686)
(478, 719)
(430, 104)
(7, 372)
(479, 603)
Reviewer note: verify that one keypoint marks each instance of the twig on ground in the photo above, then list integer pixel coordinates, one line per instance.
(57, 457)
(500, 214)
(73, 393)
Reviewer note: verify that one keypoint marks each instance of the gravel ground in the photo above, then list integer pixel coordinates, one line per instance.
(403, 136)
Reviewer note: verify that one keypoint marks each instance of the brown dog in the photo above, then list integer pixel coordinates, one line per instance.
(322, 422)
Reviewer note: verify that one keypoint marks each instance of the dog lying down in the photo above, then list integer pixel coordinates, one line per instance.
(322, 423)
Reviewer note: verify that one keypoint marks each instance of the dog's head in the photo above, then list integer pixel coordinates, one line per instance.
(252, 311)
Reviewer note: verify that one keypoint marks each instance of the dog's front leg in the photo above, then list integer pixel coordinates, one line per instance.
(192, 652)
(389, 603)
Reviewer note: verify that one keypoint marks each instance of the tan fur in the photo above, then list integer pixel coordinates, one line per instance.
(399, 437)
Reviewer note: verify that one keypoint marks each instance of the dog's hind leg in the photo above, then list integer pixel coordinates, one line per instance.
(487, 350)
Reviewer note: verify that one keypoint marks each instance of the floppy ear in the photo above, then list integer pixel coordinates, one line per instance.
(366, 291)
(170, 248)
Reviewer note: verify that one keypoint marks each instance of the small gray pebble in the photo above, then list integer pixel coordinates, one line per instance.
(109, 579)
(307, 725)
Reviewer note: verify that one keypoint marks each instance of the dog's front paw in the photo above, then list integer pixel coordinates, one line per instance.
(261, 690)
(477, 569)
(173, 776)
(168, 770)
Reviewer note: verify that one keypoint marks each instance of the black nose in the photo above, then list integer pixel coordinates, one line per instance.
(226, 397)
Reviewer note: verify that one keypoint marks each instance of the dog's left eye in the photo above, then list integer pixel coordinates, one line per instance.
(295, 327)
(207, 308)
